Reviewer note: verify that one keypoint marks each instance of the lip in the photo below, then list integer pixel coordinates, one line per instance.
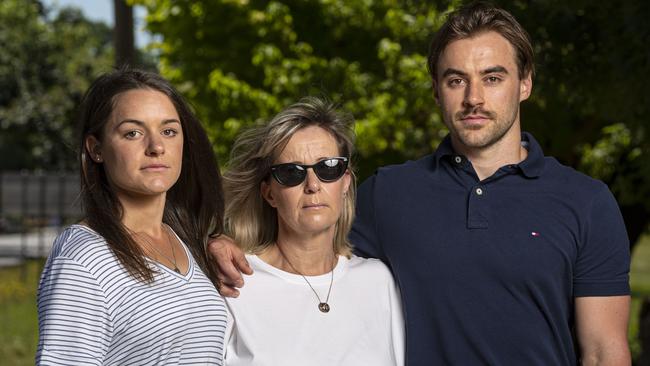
(475, 117)
(154, 167)
(475, 120)
(315, 206)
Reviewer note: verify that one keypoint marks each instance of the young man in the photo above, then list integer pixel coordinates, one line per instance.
(503, 256)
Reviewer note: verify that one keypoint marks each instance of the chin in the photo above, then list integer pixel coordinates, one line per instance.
(160, 185)
(476, 138)
(152, 191)
(316, 228)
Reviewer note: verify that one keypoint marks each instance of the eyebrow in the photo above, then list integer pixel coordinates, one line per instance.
(300, 162)
(489, 70)
(140, 123)
(495, 69)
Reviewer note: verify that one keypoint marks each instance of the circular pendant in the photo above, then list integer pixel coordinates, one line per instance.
(323, 307)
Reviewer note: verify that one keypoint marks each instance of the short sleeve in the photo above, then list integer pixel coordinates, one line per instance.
(603, 263)
(229, 333)
(398, 331)
(73, 320)
(363, 235)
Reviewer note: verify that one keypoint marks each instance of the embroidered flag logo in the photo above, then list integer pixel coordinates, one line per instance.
(534, 233)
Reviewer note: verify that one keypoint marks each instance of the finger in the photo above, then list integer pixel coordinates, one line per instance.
(228, 291)
(229, 274)
(217, 244)
(242, 263)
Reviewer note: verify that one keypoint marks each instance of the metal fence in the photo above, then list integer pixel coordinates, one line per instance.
(34, 206)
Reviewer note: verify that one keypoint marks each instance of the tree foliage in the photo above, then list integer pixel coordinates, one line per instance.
(45, 67)
(590, 107)
(240, 61)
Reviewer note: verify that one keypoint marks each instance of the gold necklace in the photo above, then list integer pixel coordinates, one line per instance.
(323, 306)
(170, 260)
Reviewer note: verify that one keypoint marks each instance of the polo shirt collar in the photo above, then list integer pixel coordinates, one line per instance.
(531, 167)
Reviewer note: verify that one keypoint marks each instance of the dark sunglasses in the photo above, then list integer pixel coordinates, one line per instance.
(327, 170)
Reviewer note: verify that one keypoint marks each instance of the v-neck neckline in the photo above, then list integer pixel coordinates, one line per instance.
(190, 261)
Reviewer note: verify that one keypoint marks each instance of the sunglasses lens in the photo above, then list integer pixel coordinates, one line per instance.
(327, 170)
(289, 174)
(330, 170)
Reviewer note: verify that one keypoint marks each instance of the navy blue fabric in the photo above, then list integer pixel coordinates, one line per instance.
(489, 269)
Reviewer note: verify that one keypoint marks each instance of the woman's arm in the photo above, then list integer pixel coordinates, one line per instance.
(73, 320)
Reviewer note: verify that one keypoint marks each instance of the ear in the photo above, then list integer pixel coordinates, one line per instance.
(525, 87)
(347, 179)
(434, 88)
(93, 149)
(265, 190)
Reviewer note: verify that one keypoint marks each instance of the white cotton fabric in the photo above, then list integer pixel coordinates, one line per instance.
(276, 321)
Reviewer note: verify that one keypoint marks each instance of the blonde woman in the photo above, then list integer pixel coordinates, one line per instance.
(290, 196)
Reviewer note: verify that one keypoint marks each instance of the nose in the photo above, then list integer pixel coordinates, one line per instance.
(155, 145)
(473, 95)
(312, 183)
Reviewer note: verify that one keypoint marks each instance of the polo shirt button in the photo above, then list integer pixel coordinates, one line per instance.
(479, 191)
(458, 159)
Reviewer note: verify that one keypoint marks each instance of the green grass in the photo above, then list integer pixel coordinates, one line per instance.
(19, 323)
(18, 318)
(640, 283)
(640, 276)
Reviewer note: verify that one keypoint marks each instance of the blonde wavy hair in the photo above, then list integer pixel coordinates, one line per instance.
(249, 219)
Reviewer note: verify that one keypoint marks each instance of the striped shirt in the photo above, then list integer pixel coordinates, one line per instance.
(92, 312)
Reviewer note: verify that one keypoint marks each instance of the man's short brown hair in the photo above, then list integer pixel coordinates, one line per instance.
(478, 17)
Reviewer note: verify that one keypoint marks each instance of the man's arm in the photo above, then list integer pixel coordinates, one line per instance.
(601, 328)
(231, 263)
(601, 284)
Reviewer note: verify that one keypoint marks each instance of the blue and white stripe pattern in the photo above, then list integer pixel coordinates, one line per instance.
(92, 312)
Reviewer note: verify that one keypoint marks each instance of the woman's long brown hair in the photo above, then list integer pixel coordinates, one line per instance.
(194, 206)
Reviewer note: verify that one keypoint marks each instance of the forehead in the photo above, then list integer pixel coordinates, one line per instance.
(309, 144)
(480, 51)
(143, 102)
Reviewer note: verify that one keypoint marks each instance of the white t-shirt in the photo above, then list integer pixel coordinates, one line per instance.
(93, 312)
(276, 320)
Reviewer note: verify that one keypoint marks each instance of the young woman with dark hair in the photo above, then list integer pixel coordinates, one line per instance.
(131, 283)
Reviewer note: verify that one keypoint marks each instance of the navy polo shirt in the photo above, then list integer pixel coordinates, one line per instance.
(489, 269)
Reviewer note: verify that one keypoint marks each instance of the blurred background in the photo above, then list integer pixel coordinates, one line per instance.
(240, 61)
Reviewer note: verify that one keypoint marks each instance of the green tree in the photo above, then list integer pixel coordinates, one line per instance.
(590, 107)
(240, 61)
(45, 67)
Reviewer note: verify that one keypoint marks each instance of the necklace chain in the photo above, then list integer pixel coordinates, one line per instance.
(169, 241)
(322, 306)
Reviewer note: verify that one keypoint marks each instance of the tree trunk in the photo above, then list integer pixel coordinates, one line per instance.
(123, 34)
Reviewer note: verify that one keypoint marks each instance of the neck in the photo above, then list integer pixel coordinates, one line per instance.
(143, 214)
(487, 160)
(309, 256)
